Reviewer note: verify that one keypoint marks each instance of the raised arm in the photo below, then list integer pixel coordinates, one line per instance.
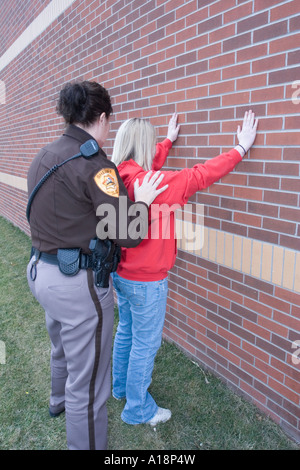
(184, 183)
(162, 148)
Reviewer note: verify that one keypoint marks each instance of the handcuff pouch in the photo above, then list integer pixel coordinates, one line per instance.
(69, 260)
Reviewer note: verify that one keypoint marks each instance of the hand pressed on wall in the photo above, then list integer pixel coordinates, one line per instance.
(173, 128)
(247, 134)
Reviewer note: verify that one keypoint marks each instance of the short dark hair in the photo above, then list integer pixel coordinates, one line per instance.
(82, 102)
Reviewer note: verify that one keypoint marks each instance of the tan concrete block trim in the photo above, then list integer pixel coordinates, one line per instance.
(271, 263)
(14, 181)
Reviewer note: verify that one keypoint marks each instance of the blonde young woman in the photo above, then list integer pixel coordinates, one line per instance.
(141, 279)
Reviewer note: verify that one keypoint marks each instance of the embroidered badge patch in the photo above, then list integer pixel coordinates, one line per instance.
(107, 181)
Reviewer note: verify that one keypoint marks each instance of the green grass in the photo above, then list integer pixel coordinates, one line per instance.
(205, 413)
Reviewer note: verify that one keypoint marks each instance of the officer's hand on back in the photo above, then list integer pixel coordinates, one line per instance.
(147, 192)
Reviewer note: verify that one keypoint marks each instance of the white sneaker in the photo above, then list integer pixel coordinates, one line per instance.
(161, 416)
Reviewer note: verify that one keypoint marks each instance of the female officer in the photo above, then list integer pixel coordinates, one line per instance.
(63, 221)
(141, 278)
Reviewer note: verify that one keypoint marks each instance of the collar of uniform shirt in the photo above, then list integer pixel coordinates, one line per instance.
(81, 135)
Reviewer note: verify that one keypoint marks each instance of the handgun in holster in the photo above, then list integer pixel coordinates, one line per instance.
(106, 256)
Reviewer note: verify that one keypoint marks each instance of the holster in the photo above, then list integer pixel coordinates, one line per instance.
(106, 256)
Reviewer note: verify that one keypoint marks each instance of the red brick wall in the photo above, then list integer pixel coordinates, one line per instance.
(209, 61)
(16, 16)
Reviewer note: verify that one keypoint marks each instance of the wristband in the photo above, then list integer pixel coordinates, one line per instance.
(243, 149)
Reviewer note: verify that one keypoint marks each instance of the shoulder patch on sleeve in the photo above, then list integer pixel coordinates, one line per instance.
(106, 180)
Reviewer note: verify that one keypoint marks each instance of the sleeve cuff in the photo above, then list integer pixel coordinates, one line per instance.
(167, 143)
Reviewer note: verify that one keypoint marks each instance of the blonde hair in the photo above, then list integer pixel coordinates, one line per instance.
(135, 139)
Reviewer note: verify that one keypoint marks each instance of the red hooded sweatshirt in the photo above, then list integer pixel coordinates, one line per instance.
(155, 256)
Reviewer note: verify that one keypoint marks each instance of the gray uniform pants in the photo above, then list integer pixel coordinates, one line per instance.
(79, 319)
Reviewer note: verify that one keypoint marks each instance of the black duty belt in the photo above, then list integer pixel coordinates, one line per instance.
(103, 260)
(85, 261)
(69, 261)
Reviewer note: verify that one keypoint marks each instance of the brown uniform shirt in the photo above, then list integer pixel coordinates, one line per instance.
(63, 212)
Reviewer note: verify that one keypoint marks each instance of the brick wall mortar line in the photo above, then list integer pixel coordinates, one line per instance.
(237, 282)
(216, 42)
(230, 23)
(268, 375)
(244, 76)
(266, 72)
(207, 255)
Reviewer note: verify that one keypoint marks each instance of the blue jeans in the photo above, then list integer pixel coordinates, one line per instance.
(142, 307)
